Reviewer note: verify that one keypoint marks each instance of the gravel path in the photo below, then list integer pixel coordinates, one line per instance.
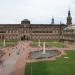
(19, 67)
(8, 64)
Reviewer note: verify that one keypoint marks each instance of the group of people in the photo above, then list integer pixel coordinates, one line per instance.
(13, 50)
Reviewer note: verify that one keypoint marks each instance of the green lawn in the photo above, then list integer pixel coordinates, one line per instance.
(8, 42)
(46, 40)
(50, 44)
(60, 66)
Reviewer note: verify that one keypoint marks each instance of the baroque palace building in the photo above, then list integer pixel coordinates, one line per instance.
(28, 31)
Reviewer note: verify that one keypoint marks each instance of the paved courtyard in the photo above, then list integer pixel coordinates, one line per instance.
(13, 56)
(16, 57)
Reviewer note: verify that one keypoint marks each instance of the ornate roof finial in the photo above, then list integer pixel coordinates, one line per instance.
(69, 14)
(52, 22)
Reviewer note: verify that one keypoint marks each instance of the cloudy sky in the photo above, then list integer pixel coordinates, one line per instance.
(38, 11)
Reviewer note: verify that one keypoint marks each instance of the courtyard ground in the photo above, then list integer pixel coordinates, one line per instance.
(8, 42)
(15, 63)
(64, 65)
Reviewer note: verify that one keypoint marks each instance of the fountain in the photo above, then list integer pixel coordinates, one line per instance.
(43, 53)
(44, 50)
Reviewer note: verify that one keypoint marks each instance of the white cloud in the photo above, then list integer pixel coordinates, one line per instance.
(38, 11)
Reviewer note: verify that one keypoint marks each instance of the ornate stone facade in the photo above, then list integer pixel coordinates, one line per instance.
(28, 31)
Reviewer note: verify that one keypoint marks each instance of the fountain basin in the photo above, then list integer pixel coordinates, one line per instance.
(40, 55)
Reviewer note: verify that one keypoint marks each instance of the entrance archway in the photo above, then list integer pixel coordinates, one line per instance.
(24, 37)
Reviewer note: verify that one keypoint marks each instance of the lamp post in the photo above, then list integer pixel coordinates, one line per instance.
(30, 62)
(31, 68)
